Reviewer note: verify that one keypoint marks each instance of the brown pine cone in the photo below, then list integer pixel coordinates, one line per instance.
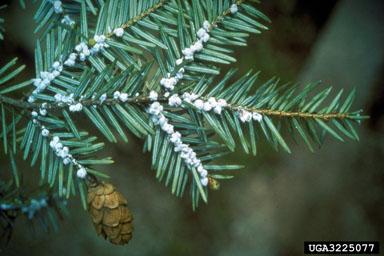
(110, 214)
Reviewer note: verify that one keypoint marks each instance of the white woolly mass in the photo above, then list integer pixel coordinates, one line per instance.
(207, 106)
(34, 114)
(196, 47)
(153, 95)
(102, 98)
(199, 104)
(45, 78)
(116, 95)
(100, 43)
(76, 107)
(123, 97)
(66, 161)
(60, 150)
(169, 82)
(201, 32)
(43, 111)
(244, 116)
(179, 61)
(83, 51)
(179, 75)
(155, 108)
(211, 104)
(205, 38)
(247, 116)
(234, 8)
(204, 181)
(189, 97)
(203, 172)
(71, 61)
(31, 99)
(70, 101)
(257, 117)
(206, 25)
(174, 100)
(119, 32)
(55, 143)
(186, 152)
(81, 173)
(64, 153)
(57, 146)
(67, 21)
(57, 66)
(218, 109)
(57, 6)
(44, 132)
(217, 106)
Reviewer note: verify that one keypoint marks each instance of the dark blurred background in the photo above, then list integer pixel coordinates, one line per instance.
(279, 200)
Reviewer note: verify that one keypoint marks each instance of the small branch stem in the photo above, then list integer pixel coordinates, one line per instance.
(145, 100)
(277, 113)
